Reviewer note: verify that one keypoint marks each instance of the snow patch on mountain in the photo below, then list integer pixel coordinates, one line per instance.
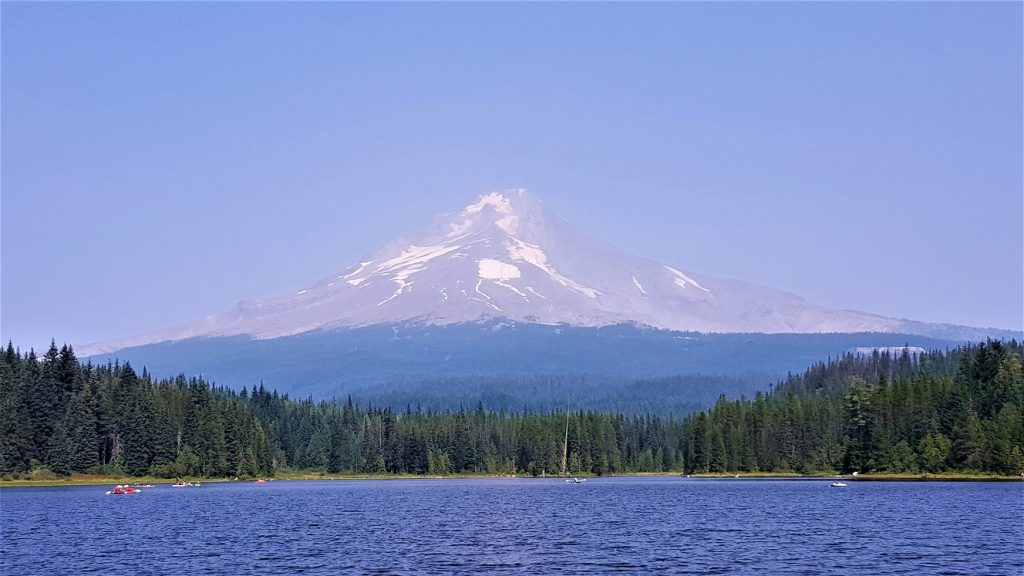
(508, 219)
(639, 286)
(512, 288)
(496, 270)
(535, 293)
(412, 258)
(682, 280)
(362, 266)
(524, 252)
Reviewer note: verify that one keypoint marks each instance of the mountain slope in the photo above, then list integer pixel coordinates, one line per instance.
(507, 365)
(505, 257)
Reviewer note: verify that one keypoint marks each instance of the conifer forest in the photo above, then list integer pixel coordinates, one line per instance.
(957, 410)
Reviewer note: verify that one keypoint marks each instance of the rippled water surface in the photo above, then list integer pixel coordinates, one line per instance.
(634, 525)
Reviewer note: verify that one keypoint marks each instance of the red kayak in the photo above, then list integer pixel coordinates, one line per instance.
(122, 491)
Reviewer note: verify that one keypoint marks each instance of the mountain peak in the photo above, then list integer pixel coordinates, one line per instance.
(508, 210)
(501, 201)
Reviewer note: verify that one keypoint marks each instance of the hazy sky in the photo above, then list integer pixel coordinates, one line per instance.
(162, 161)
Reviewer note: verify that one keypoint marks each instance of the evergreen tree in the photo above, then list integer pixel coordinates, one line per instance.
(15, 442)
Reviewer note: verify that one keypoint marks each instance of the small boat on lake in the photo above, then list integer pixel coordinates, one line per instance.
(120, 490)
(839, 484)
(575, 480)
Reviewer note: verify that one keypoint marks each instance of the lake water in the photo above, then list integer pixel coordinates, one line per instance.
(629, 525)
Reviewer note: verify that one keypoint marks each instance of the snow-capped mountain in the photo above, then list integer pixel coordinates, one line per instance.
(504, 256)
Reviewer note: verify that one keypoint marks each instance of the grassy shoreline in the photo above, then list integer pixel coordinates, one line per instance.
(299, 475)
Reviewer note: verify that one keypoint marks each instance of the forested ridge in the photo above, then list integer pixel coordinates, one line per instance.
(959, 410)
(508, 365)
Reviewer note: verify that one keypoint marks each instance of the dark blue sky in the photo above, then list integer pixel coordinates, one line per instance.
(162, 161)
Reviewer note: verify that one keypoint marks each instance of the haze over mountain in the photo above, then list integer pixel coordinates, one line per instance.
(505, 257)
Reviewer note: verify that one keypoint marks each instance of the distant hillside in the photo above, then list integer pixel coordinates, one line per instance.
(510, 365)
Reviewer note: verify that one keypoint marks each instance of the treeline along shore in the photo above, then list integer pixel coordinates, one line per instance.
(956, 411)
